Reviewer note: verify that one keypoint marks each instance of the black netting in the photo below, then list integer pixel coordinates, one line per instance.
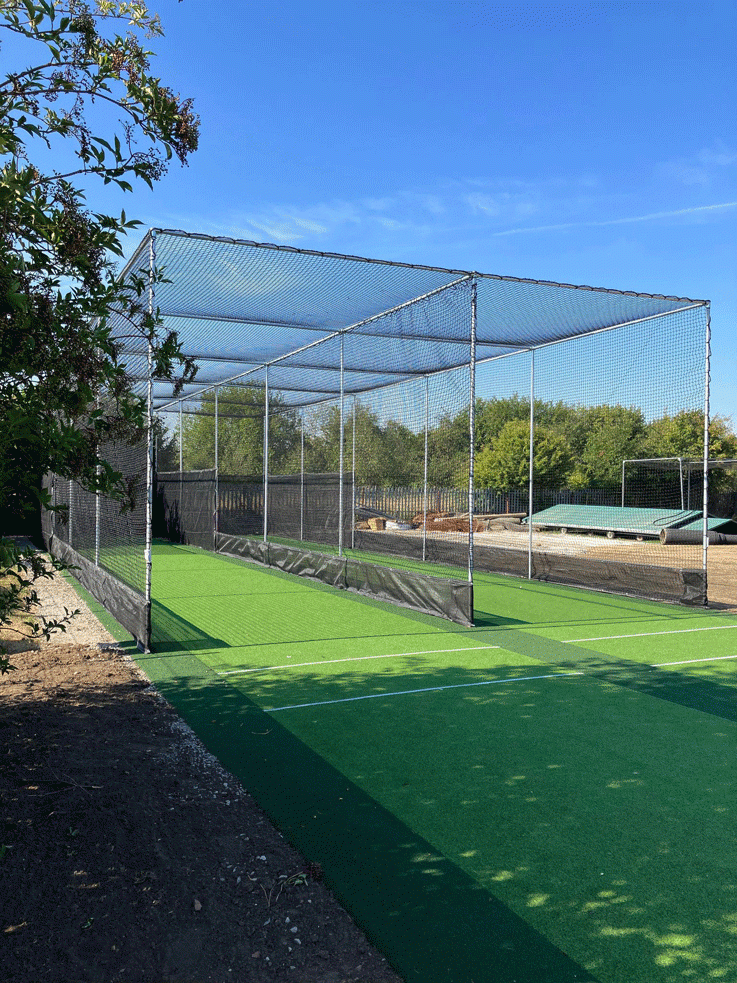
(185, 507)
(105, 539)
(373, 408)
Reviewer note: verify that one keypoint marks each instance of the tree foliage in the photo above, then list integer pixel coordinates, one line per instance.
(386, 454)
(240, 432)
(576, 447)
(82, 108)
(505, 463)
(600, 438)
(682, 435)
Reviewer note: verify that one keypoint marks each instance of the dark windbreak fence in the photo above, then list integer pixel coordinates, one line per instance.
(298, 506)
(405, 503)
(185, 507)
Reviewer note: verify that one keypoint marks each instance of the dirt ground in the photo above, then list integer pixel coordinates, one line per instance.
(127, 853)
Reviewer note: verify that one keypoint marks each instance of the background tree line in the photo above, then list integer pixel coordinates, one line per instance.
(576, 446)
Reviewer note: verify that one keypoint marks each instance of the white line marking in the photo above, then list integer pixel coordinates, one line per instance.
(647, 634)
(357, 658)
(429, 689)
(688, 662)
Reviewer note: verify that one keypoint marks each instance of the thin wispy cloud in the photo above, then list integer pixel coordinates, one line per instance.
(703, 168)
(718, 158)
(460, 208)
(592, 223)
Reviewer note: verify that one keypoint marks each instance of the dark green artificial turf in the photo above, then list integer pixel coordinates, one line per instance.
(541, 805)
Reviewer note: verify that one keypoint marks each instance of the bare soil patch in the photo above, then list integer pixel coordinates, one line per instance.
(128, 853)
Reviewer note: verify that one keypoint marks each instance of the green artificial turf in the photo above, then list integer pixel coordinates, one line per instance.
(527, 800)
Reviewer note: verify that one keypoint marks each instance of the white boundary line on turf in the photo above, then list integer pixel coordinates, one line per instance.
(646, 634)
(356, 658)
(688, 662)
(428, 689)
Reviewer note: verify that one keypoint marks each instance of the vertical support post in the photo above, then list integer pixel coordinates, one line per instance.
(532, 461)
(302, 480)
(98, 472)
(471, 431)
(707, 381)
(266, 452)
(680, 473)
(71, 511)
(181, 472)
(353, 495)
(216, 522)
(623, 464)
(424, 481)
(341, 448)
(150, 450)
(98, 469)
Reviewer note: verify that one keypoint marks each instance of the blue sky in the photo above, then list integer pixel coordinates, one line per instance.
(581, 142)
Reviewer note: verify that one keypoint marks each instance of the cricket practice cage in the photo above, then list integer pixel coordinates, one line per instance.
(390, 428)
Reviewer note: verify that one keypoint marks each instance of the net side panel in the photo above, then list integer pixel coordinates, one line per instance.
(302, 507)
(598, 401)
(128, 607)
(185, 508)
(104, 539)
(441, 597)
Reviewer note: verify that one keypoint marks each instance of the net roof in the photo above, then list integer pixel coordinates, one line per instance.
(239, 306)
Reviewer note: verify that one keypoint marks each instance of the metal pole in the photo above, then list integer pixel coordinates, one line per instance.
(680, 472)
(302, 482)
(424, 486)
(471, 430)
(97, 520)
(181, 471)
(150, 450)
(341, 445)
(705, 548)
(217, 465)
(98, 472)
(532, 460)
(353, 495)
(266, 452)
(623, 464)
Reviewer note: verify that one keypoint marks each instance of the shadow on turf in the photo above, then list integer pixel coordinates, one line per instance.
(685, 690)
(170, 633)
(432, 920)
